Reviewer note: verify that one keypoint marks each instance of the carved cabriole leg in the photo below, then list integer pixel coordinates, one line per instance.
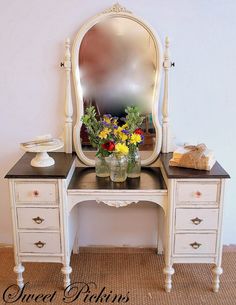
(217, 271)
(168, 271)
(19, 269)
(66, 271)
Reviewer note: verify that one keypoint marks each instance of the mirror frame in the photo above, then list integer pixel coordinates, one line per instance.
(115, 11)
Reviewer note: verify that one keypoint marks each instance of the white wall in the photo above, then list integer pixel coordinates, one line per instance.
(202, 93)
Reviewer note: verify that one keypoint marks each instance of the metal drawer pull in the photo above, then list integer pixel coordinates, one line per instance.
(40, 244)
(195, 245)
(36, 193)
(38, 220)
(198, 194)
(196, 220)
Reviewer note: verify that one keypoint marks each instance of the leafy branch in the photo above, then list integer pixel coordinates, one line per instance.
(92, 124)
(133, 118)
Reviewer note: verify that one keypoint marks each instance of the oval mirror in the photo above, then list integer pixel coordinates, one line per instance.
(116, 62)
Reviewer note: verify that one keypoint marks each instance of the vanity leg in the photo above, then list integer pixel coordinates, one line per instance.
(75, 249)
(66, 271)
(168, 271)
(217, 271)
(160, 250)
(160, 231)
(19, 269)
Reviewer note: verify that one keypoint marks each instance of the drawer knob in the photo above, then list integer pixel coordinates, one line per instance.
(38, 220)
(198, 194)
(40, 244)
(36, 193)
(195, 245)
(196, 221)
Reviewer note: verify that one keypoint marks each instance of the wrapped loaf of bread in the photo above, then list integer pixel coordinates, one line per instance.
(190, 156)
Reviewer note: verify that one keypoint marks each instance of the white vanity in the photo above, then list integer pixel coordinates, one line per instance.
(43, 200)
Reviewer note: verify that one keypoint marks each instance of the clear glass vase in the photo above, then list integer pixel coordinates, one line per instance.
(134, 164)
(102, 167)
(118, 168)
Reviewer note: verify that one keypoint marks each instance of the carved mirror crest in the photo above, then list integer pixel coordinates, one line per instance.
(117, 62)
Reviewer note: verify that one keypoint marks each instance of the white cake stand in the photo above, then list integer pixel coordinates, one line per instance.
(42, 159)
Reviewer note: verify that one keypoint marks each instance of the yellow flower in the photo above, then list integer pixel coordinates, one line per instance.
(115, 122)
(107, 120)
(124, 126)
(135, 138)
(119, 133)
(104, 133)
(122, 148)
(123, 137)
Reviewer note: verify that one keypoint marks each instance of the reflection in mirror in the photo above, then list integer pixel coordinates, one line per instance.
(118, 68)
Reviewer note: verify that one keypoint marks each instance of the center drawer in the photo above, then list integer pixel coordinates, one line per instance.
(196, 219)
(38, 218)
(40, 242)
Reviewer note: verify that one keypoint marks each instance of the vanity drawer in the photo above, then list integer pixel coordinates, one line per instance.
(36, 192)
(40, 242)
(194, 192)
(196, 219)
(38, 218)
(204, 243)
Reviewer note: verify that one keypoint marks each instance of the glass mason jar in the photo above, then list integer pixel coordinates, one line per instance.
(102, 167)
(134, 164)
(118, 168)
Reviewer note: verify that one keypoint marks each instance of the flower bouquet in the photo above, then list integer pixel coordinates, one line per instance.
(115, 140)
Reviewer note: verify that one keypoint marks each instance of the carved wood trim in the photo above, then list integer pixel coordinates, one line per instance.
(117, 203)
(116, 8)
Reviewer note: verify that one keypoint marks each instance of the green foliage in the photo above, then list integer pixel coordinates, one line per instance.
(92, 124)
(133, 118)
(103, 130)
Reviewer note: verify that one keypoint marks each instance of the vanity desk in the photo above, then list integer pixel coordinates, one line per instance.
(44, 218)
(116, 60)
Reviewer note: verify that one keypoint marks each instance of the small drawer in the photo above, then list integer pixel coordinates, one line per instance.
(36, 192)
(38, 218)
(196, 219)
(40, 242)
(204, 243)
(194, 192)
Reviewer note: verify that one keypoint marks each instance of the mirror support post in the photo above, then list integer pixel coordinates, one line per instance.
(68, 100)
(167, 140)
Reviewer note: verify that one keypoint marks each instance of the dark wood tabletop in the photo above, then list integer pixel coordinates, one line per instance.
(85, 178)
(60, 170)
(173, 172)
